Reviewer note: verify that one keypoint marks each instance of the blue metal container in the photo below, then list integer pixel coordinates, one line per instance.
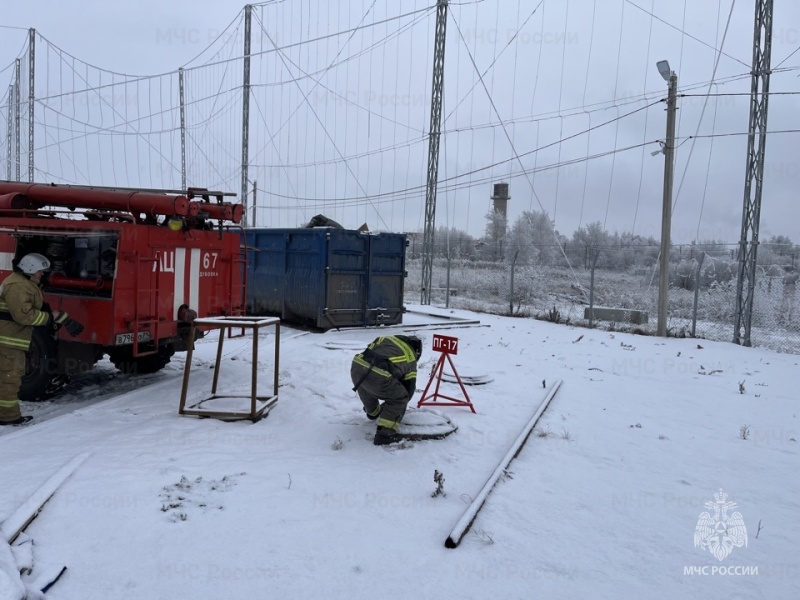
(326, 277)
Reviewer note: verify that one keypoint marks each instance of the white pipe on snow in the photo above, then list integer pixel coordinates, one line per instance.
(454, 539)
(21, 518)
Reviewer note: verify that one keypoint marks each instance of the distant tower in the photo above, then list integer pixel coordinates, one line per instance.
(500, 198)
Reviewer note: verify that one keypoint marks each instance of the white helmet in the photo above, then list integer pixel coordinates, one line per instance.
(31, 263)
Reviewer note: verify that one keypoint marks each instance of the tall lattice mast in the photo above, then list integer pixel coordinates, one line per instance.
(31, 99)
(248, 12)
(433, 150)
(754, 178)
(182, 100)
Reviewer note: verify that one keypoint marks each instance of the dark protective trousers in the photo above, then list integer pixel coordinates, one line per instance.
(376, 389)
(12, 369)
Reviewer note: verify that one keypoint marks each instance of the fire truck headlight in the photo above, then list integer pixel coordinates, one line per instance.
(175, 224)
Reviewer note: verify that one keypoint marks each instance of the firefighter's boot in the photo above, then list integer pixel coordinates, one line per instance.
(384, 436)
(20, 421)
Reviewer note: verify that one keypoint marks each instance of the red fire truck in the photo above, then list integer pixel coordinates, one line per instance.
(134, 266)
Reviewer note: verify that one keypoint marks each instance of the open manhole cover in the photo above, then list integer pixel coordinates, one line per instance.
(425, 424)
(344, 345)
(417, 424)
(467, 379)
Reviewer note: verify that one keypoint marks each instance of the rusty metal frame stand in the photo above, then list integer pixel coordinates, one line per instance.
(259, 405)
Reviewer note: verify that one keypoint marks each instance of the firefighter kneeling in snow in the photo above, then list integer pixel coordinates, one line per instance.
(386, 371)
(21, 310)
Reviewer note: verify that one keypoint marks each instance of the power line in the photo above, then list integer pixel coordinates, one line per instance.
(20, 54)
(740, 94)
(418, 191)
(583, 100)
(528, 153)
(776, 131)
(644, 132)
(533, 95)
(603, 105)
(311, 108)
(239, 17)
(668, 24)
(505, 161)
(616, 128)
(414, 191)
(713, 130)
(705, 103)
(252, 54)
(111, 107)
(561, 119)
(352, 30)
(788, 57)
(708, 171)
(310, 75)
(317, 81)
(562, 140)
(224, 108)
(496, 58)
(381, 42)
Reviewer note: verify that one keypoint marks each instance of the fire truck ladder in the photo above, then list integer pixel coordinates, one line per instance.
(139, 323)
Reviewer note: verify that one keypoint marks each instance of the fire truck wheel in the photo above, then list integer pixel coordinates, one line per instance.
(40, 369)
(142, 365)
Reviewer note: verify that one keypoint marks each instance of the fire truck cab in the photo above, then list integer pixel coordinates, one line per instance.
(135, 267)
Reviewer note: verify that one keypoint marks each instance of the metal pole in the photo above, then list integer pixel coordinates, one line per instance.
(433, 149)
(754, 178)
(255, 191)
(595, 254)
(187, 369)
(511, 287)
(16, 116)
(666, 209)
(215, 381)
(697, 292)
(254, 375)
(31, 97)
(447, 297)
(9, 133)
(183, 128)
(464, 523)
(248, 9)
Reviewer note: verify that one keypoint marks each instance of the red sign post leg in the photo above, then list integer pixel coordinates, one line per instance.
(447, 346)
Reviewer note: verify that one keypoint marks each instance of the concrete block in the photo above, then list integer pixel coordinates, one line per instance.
(620, 315)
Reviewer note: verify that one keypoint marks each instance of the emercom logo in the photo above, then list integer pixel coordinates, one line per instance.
(717, 531)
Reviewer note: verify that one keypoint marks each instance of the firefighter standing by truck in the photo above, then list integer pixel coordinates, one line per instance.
(386, 371)
(21, 309)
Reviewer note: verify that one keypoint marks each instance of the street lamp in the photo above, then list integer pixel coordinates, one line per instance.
(663, 68)
(666, 210)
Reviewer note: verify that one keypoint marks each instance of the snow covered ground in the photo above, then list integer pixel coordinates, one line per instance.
(602, 502)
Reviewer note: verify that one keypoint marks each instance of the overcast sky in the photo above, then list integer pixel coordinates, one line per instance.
(361, 131)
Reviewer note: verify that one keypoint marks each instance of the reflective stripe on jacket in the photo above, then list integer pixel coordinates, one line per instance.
(401, 359)
(21, 299)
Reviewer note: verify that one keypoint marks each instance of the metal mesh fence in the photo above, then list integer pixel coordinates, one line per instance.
(701, 299)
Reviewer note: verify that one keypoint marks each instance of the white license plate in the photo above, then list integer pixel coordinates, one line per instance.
(127, 338)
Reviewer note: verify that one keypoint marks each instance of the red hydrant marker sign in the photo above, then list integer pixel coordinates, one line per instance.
(447, 346)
